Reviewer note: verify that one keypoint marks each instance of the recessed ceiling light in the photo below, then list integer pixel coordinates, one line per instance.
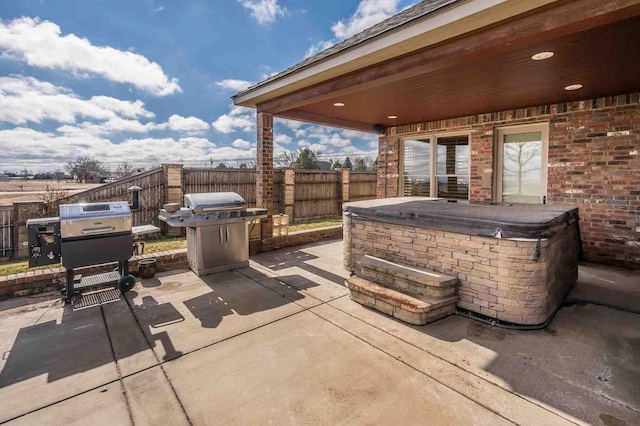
(392, 117)
(542, 56)
(338, 104)
(573, 87)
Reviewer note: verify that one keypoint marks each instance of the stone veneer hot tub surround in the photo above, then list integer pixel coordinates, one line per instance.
(519, 280)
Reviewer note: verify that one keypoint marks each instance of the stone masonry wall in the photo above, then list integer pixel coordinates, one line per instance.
(500, 278)
(593, 164)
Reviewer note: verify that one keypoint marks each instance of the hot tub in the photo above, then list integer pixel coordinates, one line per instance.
(514, 263)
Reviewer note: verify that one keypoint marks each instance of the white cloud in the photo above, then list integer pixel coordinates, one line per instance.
(124, 108)
(291, 124)
(264, 11)
(368, 13)
(318, 47)
(41, 44)
(239, 118)
(24, 147)
(242, 144)
(236, 85)
(282, 139)
(26, 99)
(191, 125)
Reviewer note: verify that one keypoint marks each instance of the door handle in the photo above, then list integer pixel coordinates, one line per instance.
(544, 199)
(227, 234)
(221, 236)
(90, 231)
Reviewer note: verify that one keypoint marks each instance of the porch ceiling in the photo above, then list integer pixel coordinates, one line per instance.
(594, 44)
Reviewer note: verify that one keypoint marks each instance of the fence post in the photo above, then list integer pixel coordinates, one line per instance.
(344, 179)
(289, 192)
(23, 211)
(172, 183)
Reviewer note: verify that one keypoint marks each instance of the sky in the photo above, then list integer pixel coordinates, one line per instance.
(150, 81)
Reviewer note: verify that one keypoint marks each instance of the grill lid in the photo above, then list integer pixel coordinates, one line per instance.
(214, 201)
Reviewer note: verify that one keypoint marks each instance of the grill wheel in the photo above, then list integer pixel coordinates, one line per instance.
(126, 283)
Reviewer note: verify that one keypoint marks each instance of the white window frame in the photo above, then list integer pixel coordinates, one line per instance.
(432, 138)
(500, 132)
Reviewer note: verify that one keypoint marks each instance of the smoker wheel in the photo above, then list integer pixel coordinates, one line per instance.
(126, 283)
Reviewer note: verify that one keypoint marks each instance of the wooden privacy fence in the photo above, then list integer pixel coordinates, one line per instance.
(242, 181)
(317, 194)
(362, 185)
(151, 196)
(302, 194)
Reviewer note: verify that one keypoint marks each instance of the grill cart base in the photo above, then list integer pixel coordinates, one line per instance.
(120, 278)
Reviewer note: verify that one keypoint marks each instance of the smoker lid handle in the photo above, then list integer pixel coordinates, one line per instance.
(102, 230)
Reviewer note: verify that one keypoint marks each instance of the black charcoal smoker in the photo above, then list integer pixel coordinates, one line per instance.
(87, 234)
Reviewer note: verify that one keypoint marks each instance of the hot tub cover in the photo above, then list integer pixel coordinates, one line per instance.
(483, 219)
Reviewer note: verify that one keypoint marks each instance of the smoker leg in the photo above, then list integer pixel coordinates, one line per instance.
(69, 286)
(123, 266)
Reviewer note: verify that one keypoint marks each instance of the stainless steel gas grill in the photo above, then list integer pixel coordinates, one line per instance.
(217, 234)
(83, 235)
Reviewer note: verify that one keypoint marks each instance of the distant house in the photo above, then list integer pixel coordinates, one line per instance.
(4, 178)
(93, 177)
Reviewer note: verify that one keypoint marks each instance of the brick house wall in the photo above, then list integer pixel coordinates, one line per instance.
(593, 164)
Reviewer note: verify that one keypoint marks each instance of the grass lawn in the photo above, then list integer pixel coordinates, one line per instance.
(316, 223)
(154, 246)
(167, 244)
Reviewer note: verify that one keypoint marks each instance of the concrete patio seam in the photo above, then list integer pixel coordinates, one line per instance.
(159, 364)
(448, 362)
(115, 360)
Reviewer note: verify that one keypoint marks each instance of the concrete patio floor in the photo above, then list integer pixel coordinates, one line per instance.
(280, 342)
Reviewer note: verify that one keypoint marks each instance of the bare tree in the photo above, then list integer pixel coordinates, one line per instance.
(286, 158)
(520, 156)
(124, 169)
(83, 167)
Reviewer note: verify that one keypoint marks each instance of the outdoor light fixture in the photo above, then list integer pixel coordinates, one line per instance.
(573, 87)
(542, 56)
(338, 104)
(392, 117)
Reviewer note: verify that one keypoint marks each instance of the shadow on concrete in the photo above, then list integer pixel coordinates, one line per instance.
(82, 342)
(79, 343)
(586, 362)
(298, 257)
(227, 298)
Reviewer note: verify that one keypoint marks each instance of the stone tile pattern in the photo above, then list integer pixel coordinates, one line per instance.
(593, 164)
(397, 304)
(499, 278)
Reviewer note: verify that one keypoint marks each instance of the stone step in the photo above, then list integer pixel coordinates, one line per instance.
(408, 279)
(413, 309)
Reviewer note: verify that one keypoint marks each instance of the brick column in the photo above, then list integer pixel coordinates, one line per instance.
(289, 192)
(264, 179)
(388, 164)
(23, 211)
(344, 179)
(172, 181)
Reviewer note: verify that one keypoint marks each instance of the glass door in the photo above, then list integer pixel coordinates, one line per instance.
(522, 164)
(416, 168)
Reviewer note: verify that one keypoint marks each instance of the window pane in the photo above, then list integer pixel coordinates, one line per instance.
(453, 157)
(456, 187)
(416, 168)
(452, 167)
(522, 167)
